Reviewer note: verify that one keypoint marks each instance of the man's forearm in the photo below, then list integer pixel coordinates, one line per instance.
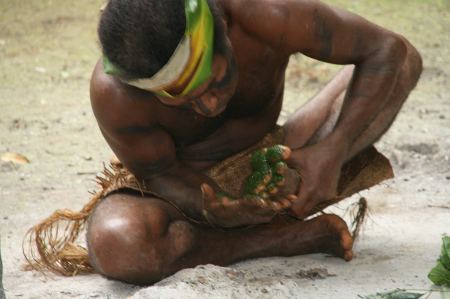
(180, 185)
(378, 83)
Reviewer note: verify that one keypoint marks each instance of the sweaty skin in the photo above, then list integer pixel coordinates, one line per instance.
(170, 142)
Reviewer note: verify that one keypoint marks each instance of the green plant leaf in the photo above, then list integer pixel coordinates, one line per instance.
(397, 294)
(439, 275)
(445, 253)
(110, 68)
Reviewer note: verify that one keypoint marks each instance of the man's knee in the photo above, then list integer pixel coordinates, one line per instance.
(134, 240)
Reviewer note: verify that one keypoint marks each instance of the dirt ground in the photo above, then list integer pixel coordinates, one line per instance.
(47, 51)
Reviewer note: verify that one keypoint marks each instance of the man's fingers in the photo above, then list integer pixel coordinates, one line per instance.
(286, 203)
(226, 202)
(208, 193)
(292, 197)
(255, 202)
(262, 203)
(303, 206)
(286, 152)
(276, 206)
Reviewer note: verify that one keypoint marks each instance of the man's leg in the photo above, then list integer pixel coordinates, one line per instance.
(317, 117)
(142, 240)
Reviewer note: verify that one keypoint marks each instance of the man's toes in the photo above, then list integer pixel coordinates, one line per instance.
(346, 244)
(338, 227)
(346, 239)
(348, 255)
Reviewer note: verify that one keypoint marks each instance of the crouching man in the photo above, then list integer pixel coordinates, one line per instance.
(186, 90)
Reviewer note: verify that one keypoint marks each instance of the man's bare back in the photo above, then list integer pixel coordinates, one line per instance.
(168, 143)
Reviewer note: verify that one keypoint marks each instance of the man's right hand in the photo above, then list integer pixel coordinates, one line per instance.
(226, 212)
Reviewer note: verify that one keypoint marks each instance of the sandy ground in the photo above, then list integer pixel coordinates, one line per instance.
(47, 51)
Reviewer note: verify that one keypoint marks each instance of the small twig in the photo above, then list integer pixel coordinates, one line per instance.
(86, 172)
(439, 206)
(360, 217)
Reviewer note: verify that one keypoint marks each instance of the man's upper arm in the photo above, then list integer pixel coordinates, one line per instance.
(130, 129)
(312, 28)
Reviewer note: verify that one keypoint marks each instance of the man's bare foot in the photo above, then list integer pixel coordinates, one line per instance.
(322, 234)
(337, 238)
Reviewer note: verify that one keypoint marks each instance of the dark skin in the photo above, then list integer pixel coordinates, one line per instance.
(169, 143)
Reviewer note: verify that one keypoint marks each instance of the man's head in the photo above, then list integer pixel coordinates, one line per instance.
(141, 36)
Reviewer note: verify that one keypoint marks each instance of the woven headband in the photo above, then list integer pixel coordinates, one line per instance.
(190, 64)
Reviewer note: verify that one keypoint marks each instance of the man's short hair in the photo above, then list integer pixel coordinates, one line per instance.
(141, 35)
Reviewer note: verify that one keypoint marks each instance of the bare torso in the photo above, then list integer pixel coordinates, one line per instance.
(167, 145)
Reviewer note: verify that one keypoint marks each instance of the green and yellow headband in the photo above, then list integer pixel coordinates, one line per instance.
(191, 63)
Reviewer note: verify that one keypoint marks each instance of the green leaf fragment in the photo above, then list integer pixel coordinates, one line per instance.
(274, 154)
(397, 294)
(445, 253)
(254, 181)
(279, 167)
(439, 275)
(110, 68)
(271, 187)
(258, 160)
(278, 179)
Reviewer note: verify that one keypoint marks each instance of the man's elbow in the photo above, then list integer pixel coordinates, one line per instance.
(411, 63)
(415, 65)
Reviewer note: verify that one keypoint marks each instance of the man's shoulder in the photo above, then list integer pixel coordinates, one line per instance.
(117, 104)
(243, 9)
(265, 20)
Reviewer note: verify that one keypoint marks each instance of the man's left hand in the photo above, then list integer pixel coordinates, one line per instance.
(319, 166)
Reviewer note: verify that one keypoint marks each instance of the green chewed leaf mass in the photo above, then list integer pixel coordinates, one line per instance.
(275, 154)
(258, 160)
(267, 168)
(254, 181)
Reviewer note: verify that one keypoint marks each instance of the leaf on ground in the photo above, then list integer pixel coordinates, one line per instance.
(15, 158)
(439, 275)
(445, 253)
(397, 294)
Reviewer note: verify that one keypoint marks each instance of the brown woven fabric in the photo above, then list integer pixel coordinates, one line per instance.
(53, 244)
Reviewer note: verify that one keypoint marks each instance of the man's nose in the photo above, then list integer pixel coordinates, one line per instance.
(210, 101)
(206, 104)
